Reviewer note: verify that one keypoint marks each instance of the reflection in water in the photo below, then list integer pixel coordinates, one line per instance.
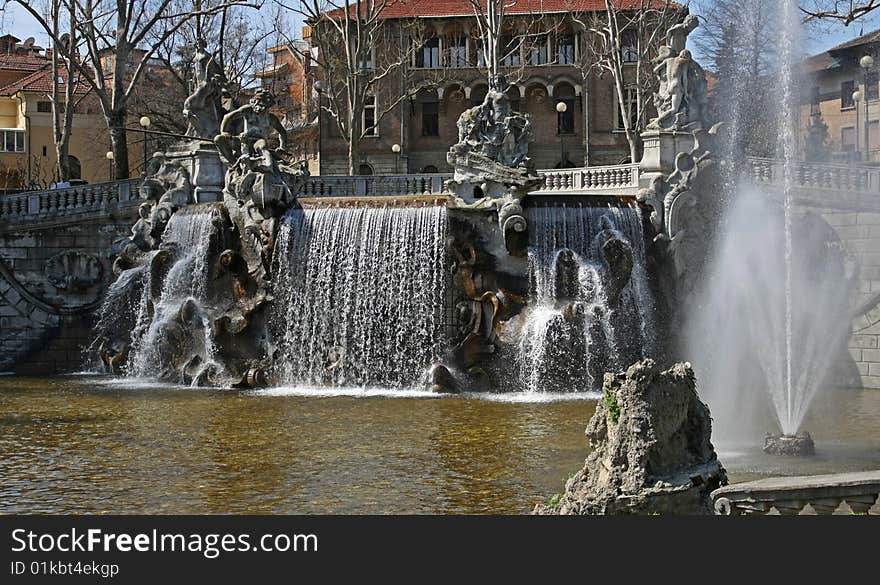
(88, 445)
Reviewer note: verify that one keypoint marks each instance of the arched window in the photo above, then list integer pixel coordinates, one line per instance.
(365, 169)
(564, 93)
(430, 169)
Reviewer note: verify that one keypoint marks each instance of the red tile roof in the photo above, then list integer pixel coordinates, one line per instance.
(22, 62)
(440, 8)
(41, 81)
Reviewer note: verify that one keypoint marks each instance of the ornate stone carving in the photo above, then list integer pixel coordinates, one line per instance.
(203, 109)
(682, 96)
(492, 166)
(73, 270)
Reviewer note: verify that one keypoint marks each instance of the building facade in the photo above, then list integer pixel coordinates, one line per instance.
(840, 103)
(27, 147)
(551, 67)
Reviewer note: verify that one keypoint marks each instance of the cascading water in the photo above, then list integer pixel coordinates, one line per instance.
(581, 323)
(183, 292)
(360, 293)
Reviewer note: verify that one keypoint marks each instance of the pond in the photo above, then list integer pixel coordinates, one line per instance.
(90, 444)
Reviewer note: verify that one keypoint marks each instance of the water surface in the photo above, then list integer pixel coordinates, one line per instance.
(86, 444)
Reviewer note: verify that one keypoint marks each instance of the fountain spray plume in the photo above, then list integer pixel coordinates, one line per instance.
(773, 314)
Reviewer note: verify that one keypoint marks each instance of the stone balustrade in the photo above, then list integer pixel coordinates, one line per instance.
(72, 201)
(824, 494)
(608, 179)
(374, 185)
(818, 176)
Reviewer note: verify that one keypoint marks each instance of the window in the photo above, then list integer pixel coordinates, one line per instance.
(429, 55)
(873, 86)
(479, 59)
(846, 94)
(631, 101)
(44, 107)
(13, 141)
(848, 139)
(628, 52)
(369, 120)
(815, 99)
(565, 49)
(430, 119)
(430, 169)
(368, 57)
(458, 52)
(538, 53)
(365, 169)
(510, 56)
(565, 120)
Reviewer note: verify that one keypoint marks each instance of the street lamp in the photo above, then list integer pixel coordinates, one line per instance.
(866, 63)
(319, 87)
(857, 97)
(145, 124)
(561, 107)
(395, 148)
(109, 156)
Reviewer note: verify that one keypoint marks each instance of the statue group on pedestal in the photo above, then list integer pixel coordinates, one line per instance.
(682, 97)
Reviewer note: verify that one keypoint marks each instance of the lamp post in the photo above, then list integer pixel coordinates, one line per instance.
(866, 63)
(857, 97)
(109, 156)
(561, 107)
(145, 124)
(319, 87)
(395, 148)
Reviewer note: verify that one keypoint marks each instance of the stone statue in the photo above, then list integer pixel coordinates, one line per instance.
(253, 142)
(681, 99)
(203, 109)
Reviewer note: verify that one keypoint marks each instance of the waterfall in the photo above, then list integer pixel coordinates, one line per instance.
(160, 324)
(573, 334)
(359, 297)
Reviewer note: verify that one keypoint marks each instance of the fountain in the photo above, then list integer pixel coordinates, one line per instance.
(482, 288)
(780, 282)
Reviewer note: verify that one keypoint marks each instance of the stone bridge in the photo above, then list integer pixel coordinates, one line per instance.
(55, 263)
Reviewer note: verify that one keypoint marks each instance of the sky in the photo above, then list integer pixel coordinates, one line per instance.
(14, 20)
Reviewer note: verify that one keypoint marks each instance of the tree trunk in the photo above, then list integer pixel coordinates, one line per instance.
(354, 154)
(61, 154)
(118, 144)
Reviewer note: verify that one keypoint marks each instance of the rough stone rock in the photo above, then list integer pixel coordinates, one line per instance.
(651, 448)
(800, 445)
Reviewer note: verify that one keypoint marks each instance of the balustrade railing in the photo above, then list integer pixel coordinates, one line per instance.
(374, 185)
(590, 179)
(36, 205)
(818, 176)
(823, 494)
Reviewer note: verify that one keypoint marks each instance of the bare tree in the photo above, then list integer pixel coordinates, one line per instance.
(622, 42)
(507, 34)
(739, 39)
(365, 61)
(114, 32)
(64, 103)
(845, 11)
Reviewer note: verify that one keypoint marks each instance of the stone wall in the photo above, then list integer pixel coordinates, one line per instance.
(52, 278)
(859, 233)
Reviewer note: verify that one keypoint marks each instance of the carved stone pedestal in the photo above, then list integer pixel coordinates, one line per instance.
(207, 173)
(205, 168)
(660, 148)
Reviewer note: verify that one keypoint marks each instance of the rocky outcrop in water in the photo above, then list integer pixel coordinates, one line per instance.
(651, 448)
